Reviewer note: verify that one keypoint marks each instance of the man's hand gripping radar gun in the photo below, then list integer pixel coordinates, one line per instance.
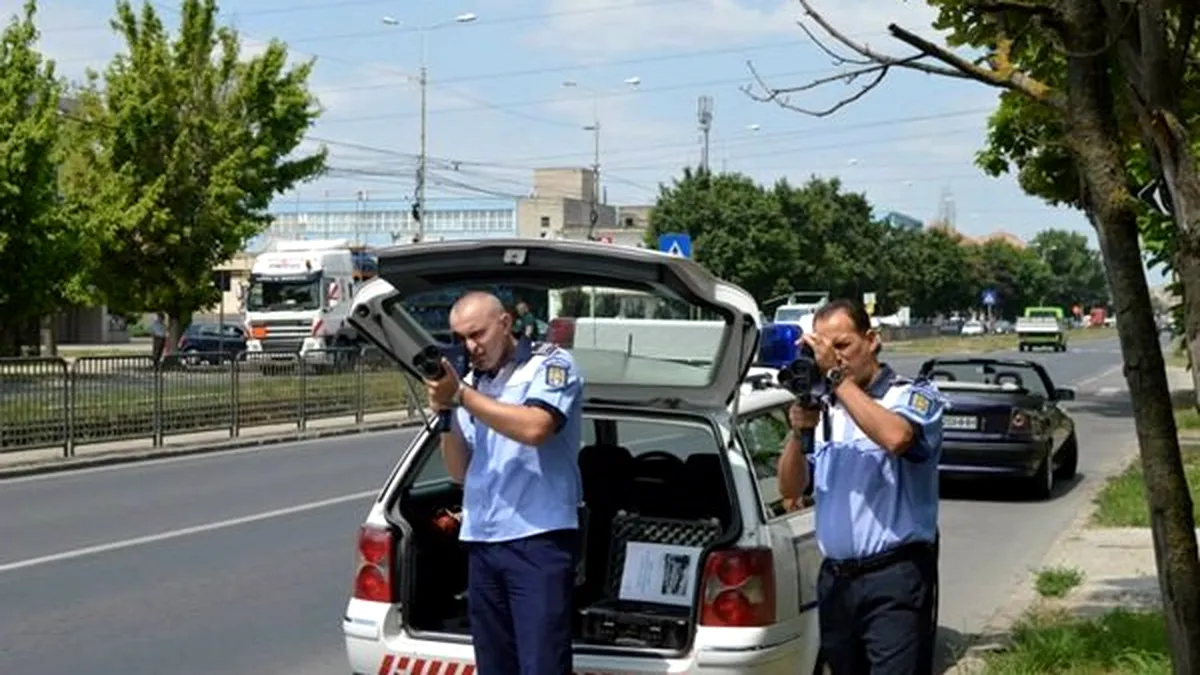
(804, 380)
(380, 318)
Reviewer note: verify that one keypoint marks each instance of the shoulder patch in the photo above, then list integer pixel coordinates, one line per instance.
(556, 374)
(920, 403)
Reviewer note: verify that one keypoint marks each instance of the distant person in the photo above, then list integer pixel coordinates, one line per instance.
(526, 323)
(874, 476)
(516, 431)
(158, 336)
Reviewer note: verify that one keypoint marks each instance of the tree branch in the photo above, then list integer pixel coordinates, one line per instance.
(1000, 71)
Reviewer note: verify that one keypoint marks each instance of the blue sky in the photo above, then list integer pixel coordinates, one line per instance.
(498, 108)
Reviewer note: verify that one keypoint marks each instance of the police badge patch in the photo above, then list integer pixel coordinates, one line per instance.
(556, 375)
(920, 403)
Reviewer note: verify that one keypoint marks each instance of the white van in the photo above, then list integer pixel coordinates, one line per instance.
(674, 454)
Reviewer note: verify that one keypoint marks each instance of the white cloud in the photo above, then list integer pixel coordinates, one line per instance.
(597, 27)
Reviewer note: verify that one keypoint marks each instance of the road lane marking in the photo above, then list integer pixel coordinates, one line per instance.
(186, 531)
(1099, 376)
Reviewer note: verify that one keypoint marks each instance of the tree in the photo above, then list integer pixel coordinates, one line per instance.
(1088, 65)
(1019, 276)
(189, 145)
(738, 230)
(39, 247)
(941, 278)
(1076, 271)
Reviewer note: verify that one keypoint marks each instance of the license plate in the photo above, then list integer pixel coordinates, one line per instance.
(967, 422)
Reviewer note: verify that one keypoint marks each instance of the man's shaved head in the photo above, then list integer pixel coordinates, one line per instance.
(477, 302)
(485, 327)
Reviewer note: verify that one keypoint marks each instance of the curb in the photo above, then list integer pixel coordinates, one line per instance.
(995, 632)
(117, 457)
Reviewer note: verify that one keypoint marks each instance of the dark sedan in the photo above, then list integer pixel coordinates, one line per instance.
(1004, 419)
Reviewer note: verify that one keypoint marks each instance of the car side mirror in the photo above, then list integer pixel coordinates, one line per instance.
(1064, 394)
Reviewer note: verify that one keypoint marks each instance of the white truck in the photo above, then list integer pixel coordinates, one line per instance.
(298, 298)
(799, 308)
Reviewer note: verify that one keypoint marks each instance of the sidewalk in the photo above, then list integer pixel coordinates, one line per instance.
(49, 460)
(1116, 566)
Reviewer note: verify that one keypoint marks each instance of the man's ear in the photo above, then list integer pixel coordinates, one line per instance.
(875, 341)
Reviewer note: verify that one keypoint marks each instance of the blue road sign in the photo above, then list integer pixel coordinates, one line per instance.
(989, 297)
(676, 244)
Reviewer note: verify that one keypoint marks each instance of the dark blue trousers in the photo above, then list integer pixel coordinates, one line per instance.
(879, 617)
(519, 604)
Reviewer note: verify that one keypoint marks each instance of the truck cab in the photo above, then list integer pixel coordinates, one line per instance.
(298, 298)
(1042, 327)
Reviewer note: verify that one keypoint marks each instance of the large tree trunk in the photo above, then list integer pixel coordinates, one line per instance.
(1114, 211)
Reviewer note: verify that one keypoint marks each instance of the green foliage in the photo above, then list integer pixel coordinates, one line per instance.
(40, 249)
(186, 143)
(772, 240)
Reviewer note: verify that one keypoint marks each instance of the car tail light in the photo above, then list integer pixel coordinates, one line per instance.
(561, 332)
(738, 589)
(373, 577)
(1020, 422)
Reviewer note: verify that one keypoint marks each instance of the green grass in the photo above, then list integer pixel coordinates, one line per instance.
(1055, 643)
(1056, 582)
(1122, 501)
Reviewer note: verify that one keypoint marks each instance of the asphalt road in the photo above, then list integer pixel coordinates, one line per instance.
(241, 563)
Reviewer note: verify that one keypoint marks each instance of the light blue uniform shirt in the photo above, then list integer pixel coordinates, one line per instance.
(512, 490)
(868, 500)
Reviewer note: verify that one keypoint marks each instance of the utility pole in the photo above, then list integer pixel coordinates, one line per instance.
(418, 209)
(594, 213)
(423, 157)
(594, 127)
(704, 115)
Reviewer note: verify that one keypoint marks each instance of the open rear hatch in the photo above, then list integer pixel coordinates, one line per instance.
(659, 507)
(605, 301)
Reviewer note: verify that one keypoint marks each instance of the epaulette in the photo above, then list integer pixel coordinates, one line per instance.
(544, 348)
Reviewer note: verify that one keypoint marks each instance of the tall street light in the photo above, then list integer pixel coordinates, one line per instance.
(423, 82)
(594, 127)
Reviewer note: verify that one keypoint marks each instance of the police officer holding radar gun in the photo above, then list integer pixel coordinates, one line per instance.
(515, 432)
(867, 443)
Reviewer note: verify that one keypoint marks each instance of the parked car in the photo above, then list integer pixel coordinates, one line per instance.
(672, 454)
(211, 343)
(1004, 419)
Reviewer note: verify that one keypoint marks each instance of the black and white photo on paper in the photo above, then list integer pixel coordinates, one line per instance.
(659, 573)
(675, 573)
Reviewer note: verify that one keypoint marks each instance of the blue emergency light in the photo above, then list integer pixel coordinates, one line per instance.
(778, 348)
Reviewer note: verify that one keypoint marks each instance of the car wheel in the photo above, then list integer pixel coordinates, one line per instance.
(1041, 484)
(1069, 462)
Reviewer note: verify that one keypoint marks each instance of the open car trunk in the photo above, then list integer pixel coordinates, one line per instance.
(646, 481)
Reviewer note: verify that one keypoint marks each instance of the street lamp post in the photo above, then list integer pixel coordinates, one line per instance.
(594, 127)
(423, 83)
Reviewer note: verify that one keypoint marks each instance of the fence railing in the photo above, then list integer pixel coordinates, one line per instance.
(53, 402)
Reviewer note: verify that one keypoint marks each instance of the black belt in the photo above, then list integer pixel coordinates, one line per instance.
(854, 567)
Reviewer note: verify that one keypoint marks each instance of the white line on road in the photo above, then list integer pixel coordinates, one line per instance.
(183, 532)
(1096, 378)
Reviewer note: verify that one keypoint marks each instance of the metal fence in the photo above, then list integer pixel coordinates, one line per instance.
(52, 402)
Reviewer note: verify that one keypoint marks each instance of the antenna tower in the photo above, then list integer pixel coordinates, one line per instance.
(946, 210)
(704, 116)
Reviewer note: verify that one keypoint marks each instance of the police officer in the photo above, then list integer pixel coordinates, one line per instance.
(513, 443)
(873, 474)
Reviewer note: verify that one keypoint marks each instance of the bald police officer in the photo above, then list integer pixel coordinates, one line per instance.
(513, 443)
(874, 478)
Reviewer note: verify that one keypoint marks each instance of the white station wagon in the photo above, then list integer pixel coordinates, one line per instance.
(677, 456)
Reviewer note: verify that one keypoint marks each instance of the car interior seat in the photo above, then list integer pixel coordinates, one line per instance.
(607, 473)
(708, 495)
(659, 486)
(1010, 378)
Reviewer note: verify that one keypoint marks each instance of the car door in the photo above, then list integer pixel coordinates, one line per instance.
(386, 313)
(792, 530)
(1060, 422)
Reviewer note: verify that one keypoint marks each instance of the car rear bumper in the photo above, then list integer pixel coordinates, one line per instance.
(990, 459)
